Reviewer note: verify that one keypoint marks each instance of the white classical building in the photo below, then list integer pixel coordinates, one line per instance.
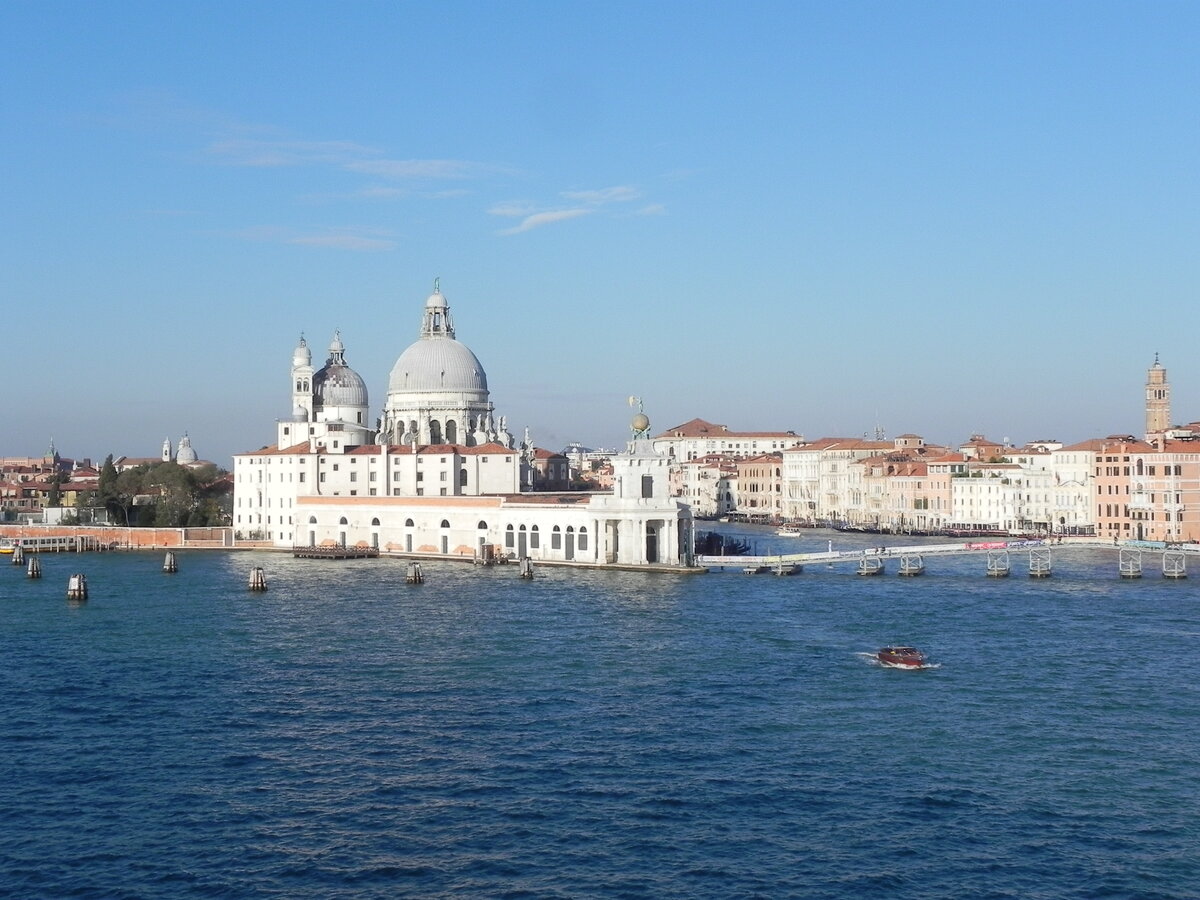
(439, 474)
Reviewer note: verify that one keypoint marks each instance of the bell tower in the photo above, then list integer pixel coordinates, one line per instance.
(1158, 401)
(302, 376)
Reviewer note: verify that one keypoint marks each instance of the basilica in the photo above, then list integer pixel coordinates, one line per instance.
(438, 472)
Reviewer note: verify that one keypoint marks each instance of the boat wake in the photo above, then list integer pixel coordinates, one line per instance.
(872, 660)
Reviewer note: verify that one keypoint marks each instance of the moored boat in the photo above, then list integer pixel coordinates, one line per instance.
(901, 657)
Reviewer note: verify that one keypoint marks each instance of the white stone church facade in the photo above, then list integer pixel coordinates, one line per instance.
(438, 473)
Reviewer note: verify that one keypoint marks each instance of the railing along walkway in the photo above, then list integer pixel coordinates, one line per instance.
(948, 549)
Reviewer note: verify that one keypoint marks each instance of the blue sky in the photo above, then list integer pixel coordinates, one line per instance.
(940, 218)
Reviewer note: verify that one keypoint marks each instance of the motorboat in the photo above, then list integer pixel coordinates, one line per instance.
(901, 657)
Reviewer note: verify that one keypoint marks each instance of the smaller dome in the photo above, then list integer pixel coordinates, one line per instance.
(185, 454)
(302, 356)
(336, 384)
(299, 413)
(339, 385)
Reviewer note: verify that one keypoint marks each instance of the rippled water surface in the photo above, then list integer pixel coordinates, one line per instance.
(596, 734)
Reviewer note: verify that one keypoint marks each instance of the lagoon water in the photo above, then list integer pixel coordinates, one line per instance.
(596, 734)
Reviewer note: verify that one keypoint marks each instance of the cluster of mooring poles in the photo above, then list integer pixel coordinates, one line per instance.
(77, 588)
(258, 579)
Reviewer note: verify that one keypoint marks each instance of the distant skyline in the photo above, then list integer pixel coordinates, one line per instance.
(932, 217)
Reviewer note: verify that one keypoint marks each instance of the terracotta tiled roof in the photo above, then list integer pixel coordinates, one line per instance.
(699, 428)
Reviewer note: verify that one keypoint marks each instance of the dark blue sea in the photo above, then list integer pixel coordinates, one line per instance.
(596, 734)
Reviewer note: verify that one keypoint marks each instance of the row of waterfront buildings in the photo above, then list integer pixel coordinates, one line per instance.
(439, 472)
(1120, 486)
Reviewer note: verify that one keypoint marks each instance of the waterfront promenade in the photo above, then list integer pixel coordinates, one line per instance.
(120, 537)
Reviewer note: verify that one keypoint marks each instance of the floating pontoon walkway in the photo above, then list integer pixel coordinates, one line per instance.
(335, 552)
(912, 555)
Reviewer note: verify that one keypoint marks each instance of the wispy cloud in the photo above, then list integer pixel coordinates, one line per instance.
(244, 152)
(512, 209)
(584, 202)
(419, 168)
(381, 192)
(344, 242)
(537, 220)
(361, 239)
(619, 194)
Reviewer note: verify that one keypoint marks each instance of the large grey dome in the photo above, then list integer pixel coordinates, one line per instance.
(437, 364)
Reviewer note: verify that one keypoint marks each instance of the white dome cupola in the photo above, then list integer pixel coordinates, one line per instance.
(438, 391)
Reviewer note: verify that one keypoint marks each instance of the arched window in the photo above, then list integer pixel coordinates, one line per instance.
(451, 431)
(342, 521)
(462, 477)
(445, 523)
(312, 520)
(510, 537)
(408, 523)
(556, 538)
(535, 538)
(435, 431)
(583, 538)
(375, 522)
(482, 526)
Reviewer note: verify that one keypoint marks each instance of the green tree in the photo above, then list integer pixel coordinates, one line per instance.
(106, 488)
(177, 489)
(54, 498)
(125, 488)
